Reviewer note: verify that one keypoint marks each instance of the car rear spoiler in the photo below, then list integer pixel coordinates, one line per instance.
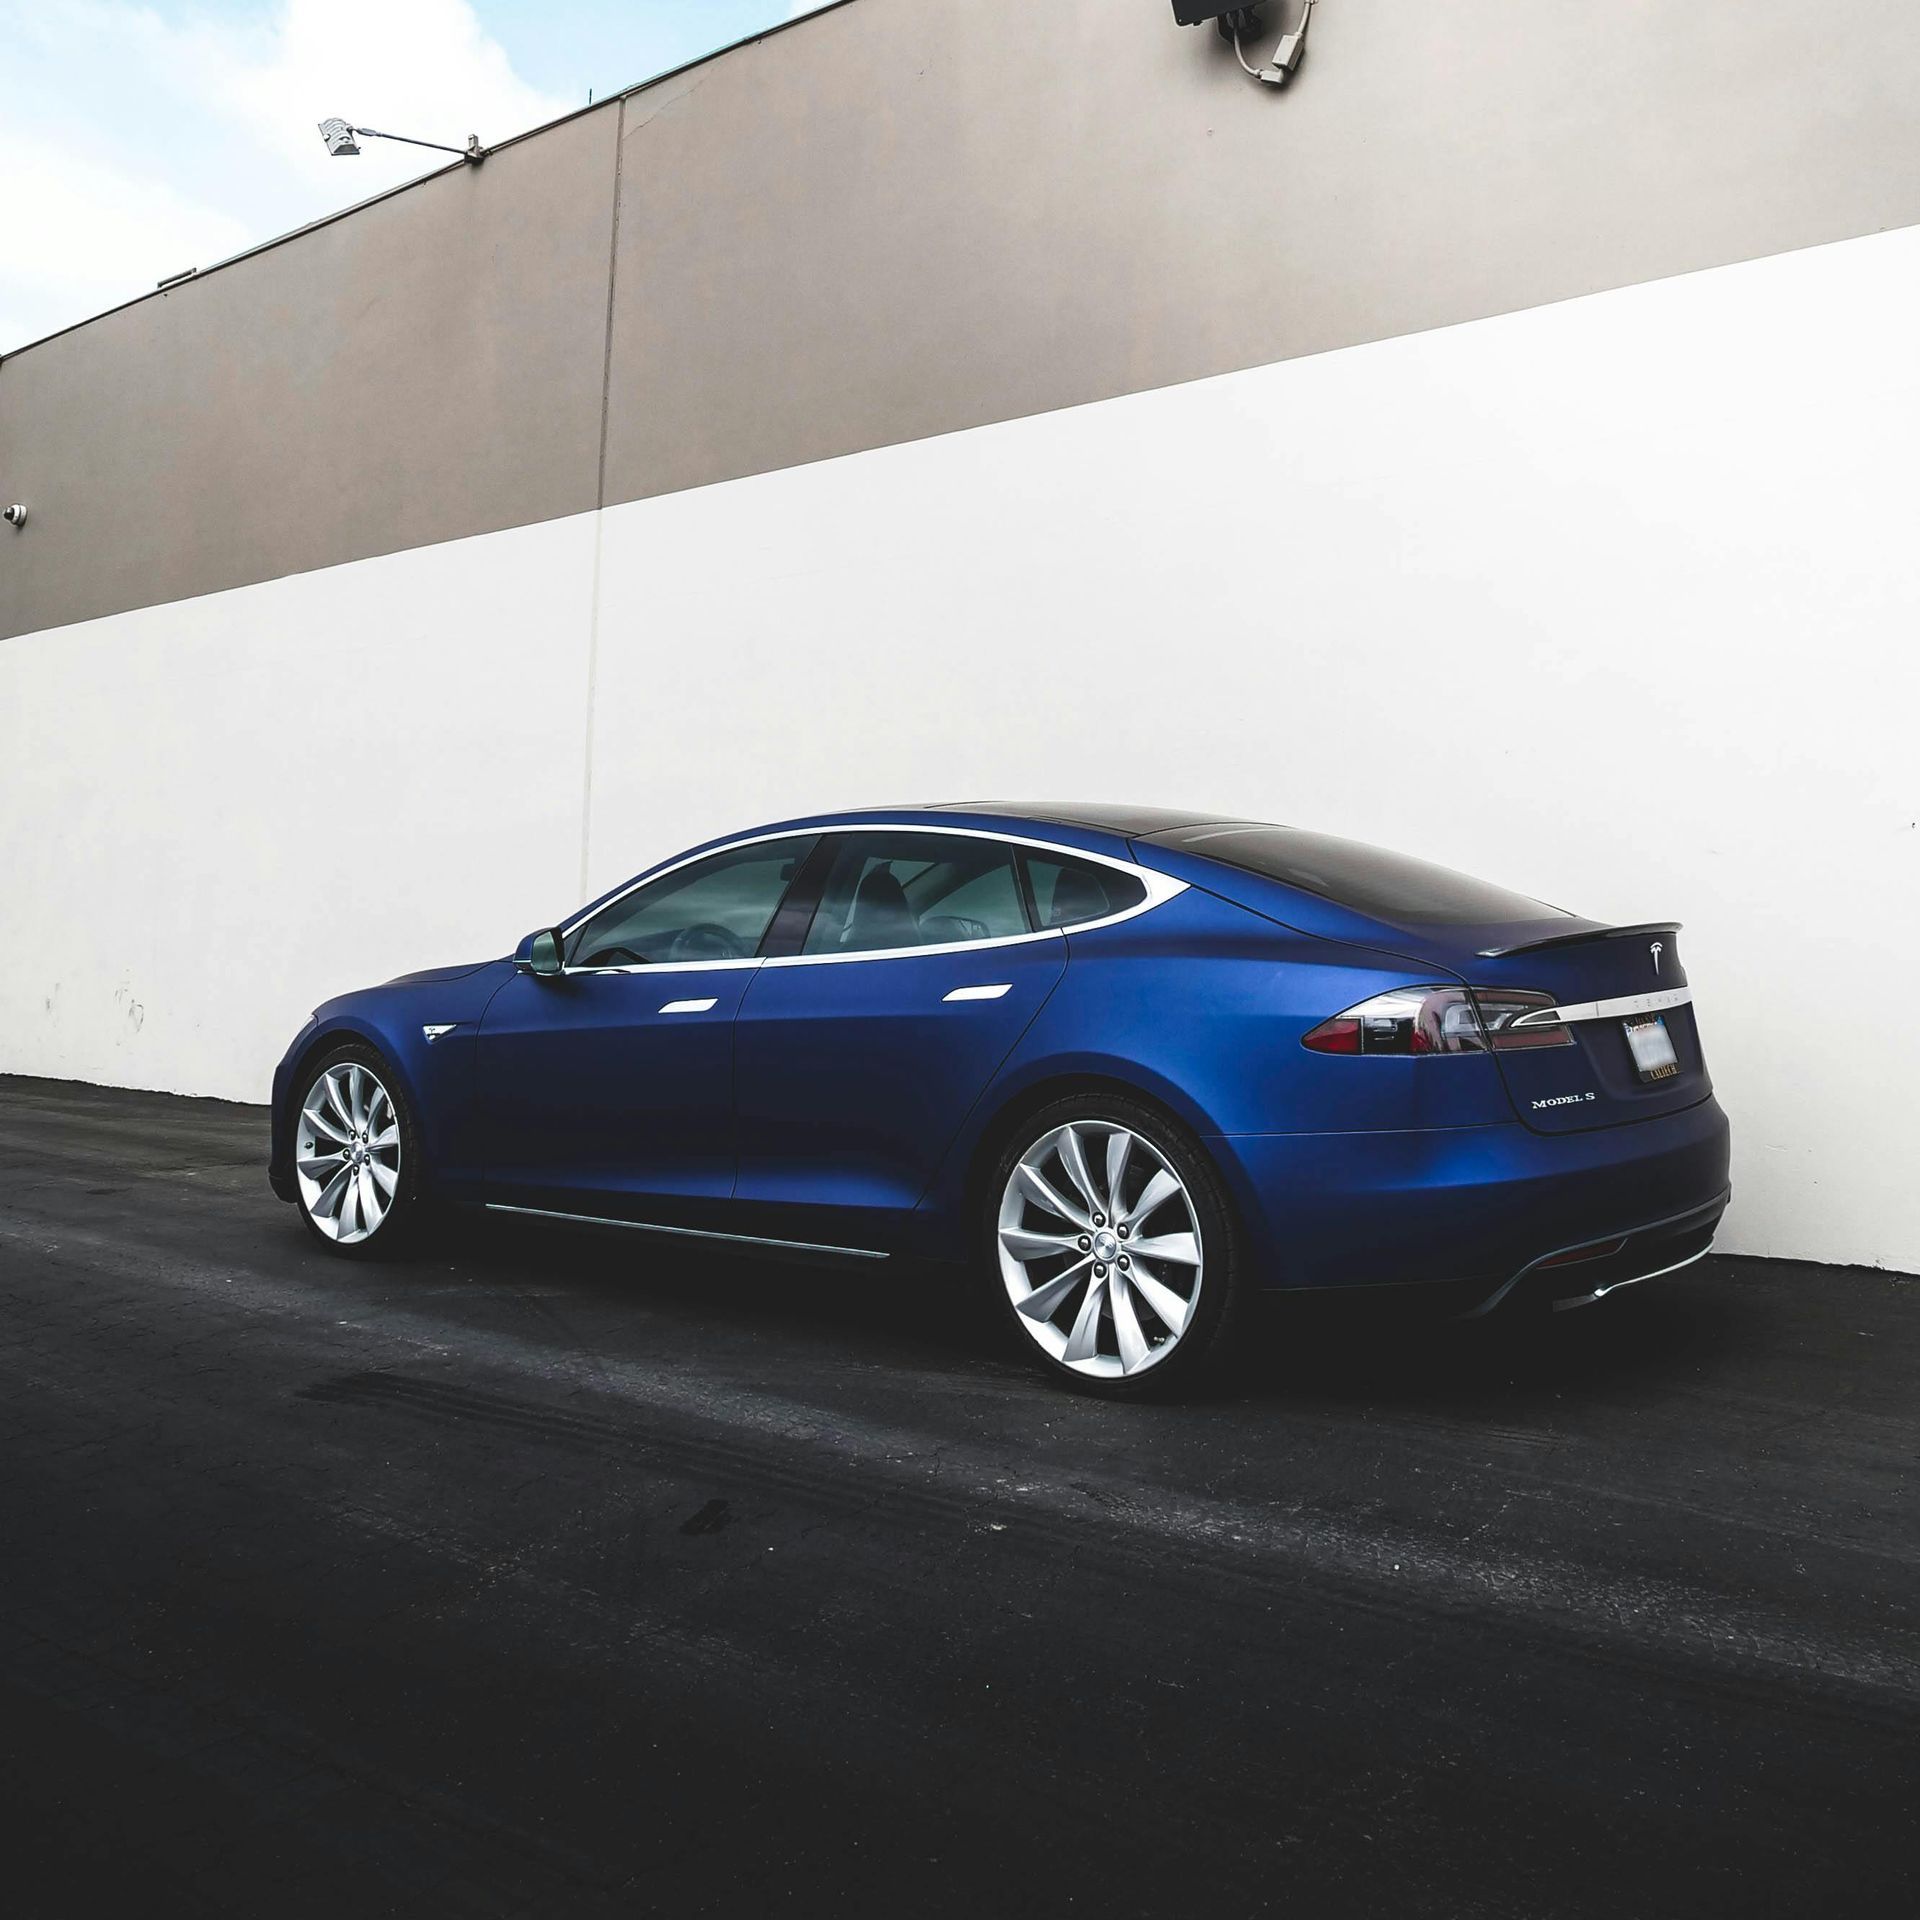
(1580, 938)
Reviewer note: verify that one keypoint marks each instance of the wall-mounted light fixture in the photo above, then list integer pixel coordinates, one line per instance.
(343, 141)
(1232, 19)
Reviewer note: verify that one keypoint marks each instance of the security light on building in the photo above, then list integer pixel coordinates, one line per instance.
(343, 141)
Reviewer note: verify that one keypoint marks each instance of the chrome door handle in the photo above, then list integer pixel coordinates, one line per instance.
(689, 1006)
(980, 993)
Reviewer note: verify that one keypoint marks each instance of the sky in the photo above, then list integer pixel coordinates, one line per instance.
(137, 140)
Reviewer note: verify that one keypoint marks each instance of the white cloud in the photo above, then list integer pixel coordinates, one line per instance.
(99, 97)
(419, 67)
(82, 234)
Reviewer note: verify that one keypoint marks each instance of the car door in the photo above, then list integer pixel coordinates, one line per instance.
(859, 1054)
(608, 1090)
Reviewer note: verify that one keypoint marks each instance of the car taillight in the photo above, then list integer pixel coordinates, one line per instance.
(1435, 1020)
(1501, 1007)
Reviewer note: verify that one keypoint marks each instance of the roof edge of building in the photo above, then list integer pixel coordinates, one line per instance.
(420, 180)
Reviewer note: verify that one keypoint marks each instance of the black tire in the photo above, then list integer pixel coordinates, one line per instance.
(1200, 1349)
(397, 1232)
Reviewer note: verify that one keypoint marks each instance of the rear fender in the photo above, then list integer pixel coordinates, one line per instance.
(1200, 1007)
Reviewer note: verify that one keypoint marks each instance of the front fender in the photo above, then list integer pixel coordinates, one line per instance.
(434, 1075)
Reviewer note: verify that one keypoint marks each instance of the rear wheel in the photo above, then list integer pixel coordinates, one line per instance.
(1113, 1242)
(356, 1154)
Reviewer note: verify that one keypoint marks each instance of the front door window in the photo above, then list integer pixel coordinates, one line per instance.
(714, 909)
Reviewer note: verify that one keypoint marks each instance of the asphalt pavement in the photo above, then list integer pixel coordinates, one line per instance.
(556, 1572)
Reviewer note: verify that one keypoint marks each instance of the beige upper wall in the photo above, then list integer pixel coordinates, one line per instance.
(427, 367)
(901, 218)
(909, 217)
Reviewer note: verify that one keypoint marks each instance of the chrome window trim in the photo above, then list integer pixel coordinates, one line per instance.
(1626, 1007)
(674, 966)
(1160, 888)
(902, 953)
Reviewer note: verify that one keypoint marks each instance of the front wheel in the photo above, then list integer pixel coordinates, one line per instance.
(356, 1154)
(1114, 1245)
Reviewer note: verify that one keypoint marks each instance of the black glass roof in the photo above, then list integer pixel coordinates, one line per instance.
(1108, 818)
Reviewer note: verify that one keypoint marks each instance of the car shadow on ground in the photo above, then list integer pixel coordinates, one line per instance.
(1328, 1350)
(1335, 1351)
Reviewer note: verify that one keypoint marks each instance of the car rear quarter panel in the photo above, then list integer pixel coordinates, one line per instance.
(1207, 1004)
(1201, 1005)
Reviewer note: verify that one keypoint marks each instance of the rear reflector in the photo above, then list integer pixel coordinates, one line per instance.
(1596, 1252)
(1436, 1020)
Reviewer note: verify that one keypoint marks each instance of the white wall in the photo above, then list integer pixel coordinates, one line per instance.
(215, 813)
(1613, 601)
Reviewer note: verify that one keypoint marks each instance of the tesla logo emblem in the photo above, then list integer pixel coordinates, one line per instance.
(1657, 949)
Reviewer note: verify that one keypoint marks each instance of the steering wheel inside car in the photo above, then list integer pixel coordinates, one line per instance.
(707, 940)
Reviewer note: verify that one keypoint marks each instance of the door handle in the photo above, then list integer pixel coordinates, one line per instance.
(689, 1006)
(980, 993)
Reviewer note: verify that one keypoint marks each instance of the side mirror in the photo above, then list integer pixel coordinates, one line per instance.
(541, 955)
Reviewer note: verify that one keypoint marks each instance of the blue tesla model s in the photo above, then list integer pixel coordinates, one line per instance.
(1127, 1064)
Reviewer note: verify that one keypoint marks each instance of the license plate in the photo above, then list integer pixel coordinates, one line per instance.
(1653, 1054)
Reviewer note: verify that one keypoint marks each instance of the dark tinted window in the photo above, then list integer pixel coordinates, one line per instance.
(889, 890)
(716, 909)
(1390, 886)
(1068, 892)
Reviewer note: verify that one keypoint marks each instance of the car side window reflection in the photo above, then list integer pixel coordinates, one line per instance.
(890, 890)
(1068, 893)
(715, 909)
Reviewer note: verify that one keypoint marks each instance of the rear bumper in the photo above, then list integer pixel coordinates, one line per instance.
(1581, 1276)
(1474, 1208)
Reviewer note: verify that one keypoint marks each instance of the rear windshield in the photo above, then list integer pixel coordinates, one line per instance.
(1389, 886)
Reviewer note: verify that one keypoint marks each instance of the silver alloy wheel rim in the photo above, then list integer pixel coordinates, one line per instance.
(1100, 1249)
(347, 1152)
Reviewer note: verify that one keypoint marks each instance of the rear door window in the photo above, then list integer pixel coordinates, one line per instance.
(886, 891)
